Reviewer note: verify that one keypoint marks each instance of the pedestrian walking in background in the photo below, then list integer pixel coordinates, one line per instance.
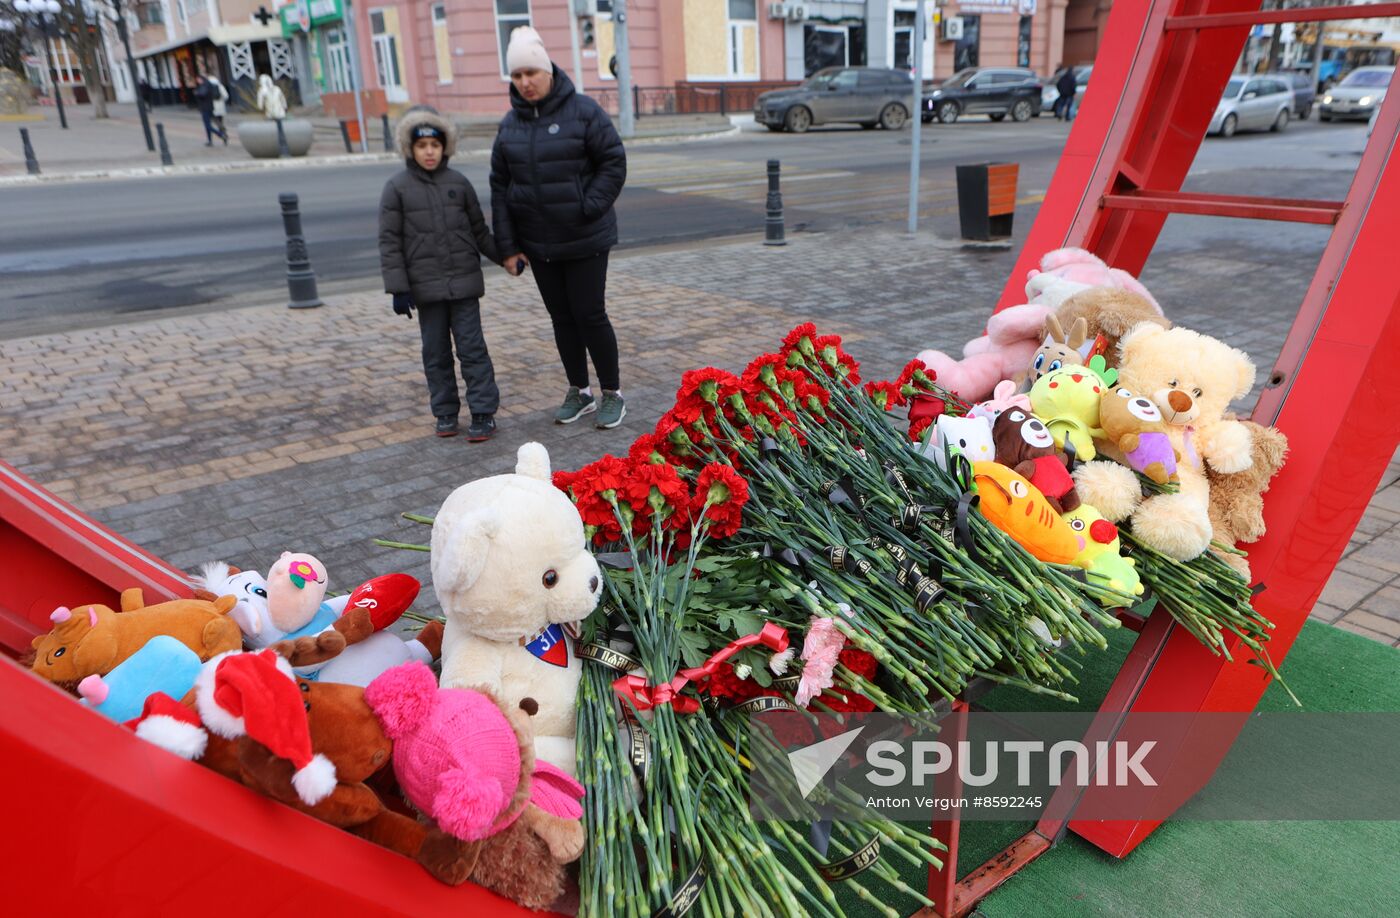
(271, 100)
(557, 167)
(1067, 86)
(205, 94)
(431, 238)
(220, 106)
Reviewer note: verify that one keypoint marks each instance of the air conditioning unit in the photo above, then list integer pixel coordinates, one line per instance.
(777, 11)
(797, 13)
(952, 28)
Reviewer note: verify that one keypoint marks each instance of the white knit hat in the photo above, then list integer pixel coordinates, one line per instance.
(526, 51)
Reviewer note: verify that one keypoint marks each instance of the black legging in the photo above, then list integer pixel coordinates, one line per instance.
(573, 292)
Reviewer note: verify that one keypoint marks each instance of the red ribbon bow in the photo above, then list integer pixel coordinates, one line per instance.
(645, 697)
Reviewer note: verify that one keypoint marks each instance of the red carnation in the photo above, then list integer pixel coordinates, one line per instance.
(648, 449)
(720, 495)
(656, 489)
(800, 339)
(885, 394)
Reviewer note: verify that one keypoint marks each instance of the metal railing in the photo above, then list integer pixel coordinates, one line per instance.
(689, 98)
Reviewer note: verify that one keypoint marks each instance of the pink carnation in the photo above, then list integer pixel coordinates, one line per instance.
(820, 651)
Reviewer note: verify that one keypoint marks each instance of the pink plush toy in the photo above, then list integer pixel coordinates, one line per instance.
(1004, 396)
(1015, 333)
(459, 759)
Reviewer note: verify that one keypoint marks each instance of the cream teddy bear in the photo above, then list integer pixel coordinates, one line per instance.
(513, 574)
(1192, 379)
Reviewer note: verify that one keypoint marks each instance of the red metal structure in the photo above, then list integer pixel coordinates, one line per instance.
(103, 821)
(1162, 67)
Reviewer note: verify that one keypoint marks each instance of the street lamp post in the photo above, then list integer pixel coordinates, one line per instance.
(44, 9)
(125, 37)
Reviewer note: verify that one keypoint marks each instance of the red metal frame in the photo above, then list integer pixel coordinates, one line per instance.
(52, 555)
(1332, 390)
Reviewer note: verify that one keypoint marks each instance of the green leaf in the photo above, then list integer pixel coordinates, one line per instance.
(694, 648)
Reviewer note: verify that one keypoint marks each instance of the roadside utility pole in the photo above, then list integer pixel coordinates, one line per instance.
(916, 114)
(352, 45)
(626, 114)
(131, 68)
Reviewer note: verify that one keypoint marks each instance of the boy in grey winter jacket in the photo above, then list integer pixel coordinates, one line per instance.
(431, 238)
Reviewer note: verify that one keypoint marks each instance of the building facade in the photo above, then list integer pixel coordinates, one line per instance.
(451, 53)
(235, 40)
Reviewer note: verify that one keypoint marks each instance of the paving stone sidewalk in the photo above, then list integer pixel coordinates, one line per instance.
(240, 434)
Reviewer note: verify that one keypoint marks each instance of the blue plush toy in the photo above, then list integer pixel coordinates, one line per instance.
(162, 665)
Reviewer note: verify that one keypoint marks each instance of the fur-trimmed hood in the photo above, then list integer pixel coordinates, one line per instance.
(415, 117)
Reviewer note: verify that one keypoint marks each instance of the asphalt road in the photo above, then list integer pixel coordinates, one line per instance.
(80, 253)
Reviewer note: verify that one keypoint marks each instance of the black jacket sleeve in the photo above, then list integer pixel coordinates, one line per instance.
(391, 260)
(485, 243)
(608, 159)
(506, 246)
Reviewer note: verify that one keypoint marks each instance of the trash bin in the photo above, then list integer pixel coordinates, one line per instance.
(352, 130)
(987, 200)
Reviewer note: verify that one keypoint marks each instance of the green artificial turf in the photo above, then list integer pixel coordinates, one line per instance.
(1233, 868)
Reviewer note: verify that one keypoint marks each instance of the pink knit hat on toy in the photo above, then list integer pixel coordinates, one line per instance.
(456, 756)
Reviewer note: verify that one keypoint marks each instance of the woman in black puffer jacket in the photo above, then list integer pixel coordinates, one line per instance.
(556, 168)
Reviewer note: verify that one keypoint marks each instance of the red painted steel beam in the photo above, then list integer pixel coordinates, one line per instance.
(1297, 14)
(1226, 205)
(1336, 397)
(1140, 125)
(51, 554)
(102, 822)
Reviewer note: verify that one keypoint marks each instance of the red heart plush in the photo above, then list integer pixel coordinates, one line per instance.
(385, 598)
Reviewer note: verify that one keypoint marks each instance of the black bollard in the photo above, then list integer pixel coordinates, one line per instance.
(165, 159)
(30, 162)
(388, 135)
(773, 226)
(282, 149)
(345, 136)
(301, 280)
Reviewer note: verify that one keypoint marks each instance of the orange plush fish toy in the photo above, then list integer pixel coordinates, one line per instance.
(1017, 508)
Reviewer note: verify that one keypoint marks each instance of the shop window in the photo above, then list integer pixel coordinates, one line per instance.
(832, 46)
(904, 22)
(510, 15)
(441, 44)
(1023, 43)
(965, 52)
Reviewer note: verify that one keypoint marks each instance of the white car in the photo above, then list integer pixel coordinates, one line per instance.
(1261, 103)
(1356, 96)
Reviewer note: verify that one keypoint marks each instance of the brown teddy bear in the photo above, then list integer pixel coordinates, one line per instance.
(1134, 424)
(1025, 445)
(1237, 498)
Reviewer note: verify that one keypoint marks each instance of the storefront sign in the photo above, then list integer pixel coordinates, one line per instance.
(1021, 7)
(304, 15)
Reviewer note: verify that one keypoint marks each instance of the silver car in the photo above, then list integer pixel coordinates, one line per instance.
(1356, 96)
(1252, 103)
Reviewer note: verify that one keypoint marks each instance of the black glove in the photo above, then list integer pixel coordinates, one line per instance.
(403, 304)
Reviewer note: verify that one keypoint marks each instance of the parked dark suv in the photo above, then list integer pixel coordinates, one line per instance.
(861, 95)
(993, 91)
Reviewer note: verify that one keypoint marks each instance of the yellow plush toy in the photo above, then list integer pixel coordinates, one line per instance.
(1067, 400)
(1100, 551)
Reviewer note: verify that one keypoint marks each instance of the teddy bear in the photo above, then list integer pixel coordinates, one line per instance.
(1025, 445)
(1192, 379)
(1108, 314)
(467, 763)
(1134, 424)
(1067, 400)
(94, 640)
(514, 576)
(1237, 498)
(315, 746)
(1015, 334)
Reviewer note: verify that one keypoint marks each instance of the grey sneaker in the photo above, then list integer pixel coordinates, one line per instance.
(575, 406)
(612, 411)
